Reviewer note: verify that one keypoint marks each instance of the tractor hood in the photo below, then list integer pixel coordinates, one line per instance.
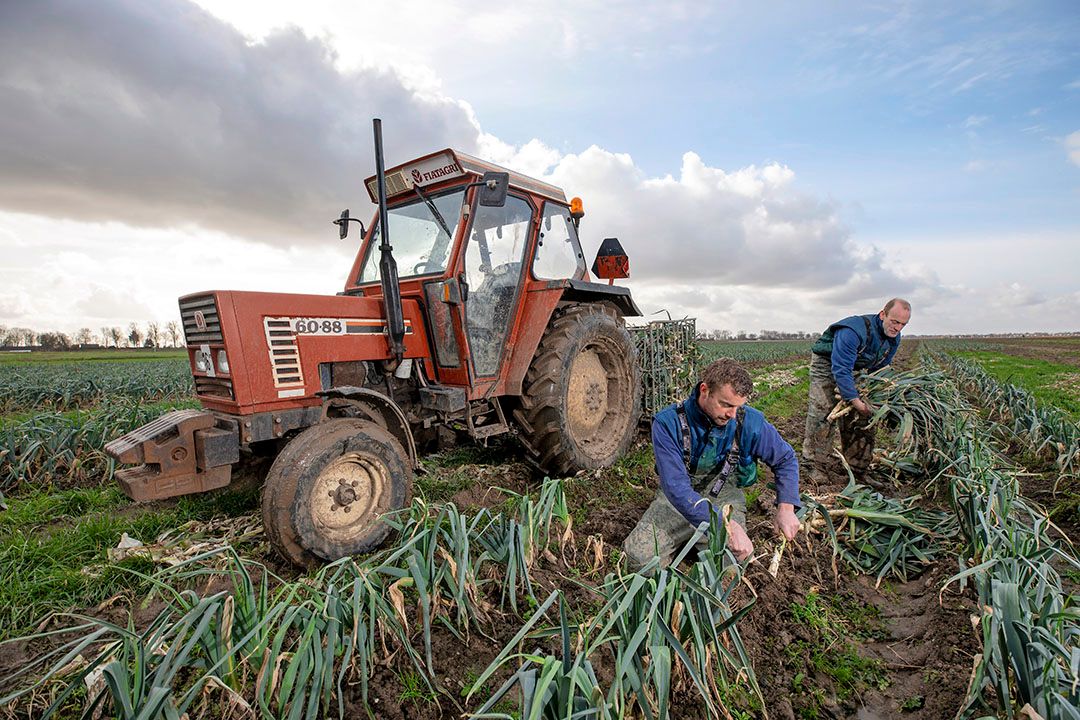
(256, 351)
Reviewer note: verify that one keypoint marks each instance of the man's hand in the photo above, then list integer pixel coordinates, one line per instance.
(738, 541)
(862, 407)
(785, 521)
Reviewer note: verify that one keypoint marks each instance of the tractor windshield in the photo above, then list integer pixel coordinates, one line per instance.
(417, 232)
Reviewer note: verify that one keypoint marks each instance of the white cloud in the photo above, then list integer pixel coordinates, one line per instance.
(1015, 295)
(1072, 147)
(73, 274)
(221, 145)
(974, 121)
(748, 227)
(533, 158)
(15, 306)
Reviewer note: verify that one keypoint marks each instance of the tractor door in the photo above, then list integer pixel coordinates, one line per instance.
(444, 298)
(493, 270)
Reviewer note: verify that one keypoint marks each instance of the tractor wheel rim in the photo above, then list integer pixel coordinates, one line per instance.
(348, 494)
(587, 394)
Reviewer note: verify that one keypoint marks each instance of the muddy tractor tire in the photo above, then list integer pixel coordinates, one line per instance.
(328, 488)
(581, 398)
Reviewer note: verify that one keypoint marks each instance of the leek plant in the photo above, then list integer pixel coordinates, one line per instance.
(288, 652)
(1029, 623)
(52, 447)
(662, 629)
(886, 537)
(1045, 430)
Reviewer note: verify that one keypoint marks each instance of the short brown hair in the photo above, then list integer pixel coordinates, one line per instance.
(726, 371)
(896, 301)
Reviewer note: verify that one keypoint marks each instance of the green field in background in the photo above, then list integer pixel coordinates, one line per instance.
(20, 358)
(1051, 383)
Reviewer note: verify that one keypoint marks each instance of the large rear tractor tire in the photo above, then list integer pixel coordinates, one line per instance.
(581, 398)
(326, 492)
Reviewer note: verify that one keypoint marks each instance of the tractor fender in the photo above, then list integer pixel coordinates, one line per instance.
(618, 296)
(348, 400)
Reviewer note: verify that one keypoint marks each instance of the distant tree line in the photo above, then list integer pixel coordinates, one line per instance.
(761, 335)
(153, 335)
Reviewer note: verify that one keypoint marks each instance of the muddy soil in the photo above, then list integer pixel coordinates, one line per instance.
(925, 647)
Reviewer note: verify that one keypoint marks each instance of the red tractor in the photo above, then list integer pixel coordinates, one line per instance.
(492, 325)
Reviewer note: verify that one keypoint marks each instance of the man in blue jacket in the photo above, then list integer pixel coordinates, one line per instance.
(707, 448)
(859, 342)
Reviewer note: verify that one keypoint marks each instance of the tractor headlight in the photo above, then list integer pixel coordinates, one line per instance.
(222, 362)
(202, 362)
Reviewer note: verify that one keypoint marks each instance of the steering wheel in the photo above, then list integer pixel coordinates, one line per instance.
(419, 267)
(506, 272)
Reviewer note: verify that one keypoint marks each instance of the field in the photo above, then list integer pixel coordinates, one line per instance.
(948, 592)
(1052, 383)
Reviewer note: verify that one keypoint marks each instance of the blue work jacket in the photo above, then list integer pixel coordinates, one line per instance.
(709, 445)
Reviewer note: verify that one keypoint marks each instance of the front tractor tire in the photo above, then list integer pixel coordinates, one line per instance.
(581, 398)
(326, 492)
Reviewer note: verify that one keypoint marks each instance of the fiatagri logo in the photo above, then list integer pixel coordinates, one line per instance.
(422, 178)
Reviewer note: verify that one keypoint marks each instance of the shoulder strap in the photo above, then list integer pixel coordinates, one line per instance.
(680, 411)
(740, 416)
(865, 343)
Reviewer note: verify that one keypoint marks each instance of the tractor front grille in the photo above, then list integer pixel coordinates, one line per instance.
(201, 322)
(218, 387)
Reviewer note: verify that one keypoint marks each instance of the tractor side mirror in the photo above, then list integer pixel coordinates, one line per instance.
(343, 224)
(493, 189)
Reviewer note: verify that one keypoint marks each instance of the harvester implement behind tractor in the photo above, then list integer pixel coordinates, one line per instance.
(492, 325)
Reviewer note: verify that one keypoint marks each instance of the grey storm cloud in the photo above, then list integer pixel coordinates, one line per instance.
(158, 114)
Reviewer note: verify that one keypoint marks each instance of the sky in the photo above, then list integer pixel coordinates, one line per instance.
(772, 165)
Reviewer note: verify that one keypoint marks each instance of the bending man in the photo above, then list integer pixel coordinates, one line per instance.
(707, 448)
(859, 342)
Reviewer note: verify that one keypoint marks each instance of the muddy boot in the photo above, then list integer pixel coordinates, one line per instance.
(818, 440)
(814, 472)
(857, 443)
(876, 482)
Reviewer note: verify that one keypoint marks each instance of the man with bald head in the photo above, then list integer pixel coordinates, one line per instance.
(856, 343)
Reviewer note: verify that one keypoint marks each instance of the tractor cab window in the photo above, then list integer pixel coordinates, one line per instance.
(558, 252)
(493, 257)
(421, 243)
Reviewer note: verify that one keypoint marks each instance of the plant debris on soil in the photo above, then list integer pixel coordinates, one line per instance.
(825, 642)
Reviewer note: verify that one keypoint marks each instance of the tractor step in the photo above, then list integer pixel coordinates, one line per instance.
(181, 452)
(485, 418)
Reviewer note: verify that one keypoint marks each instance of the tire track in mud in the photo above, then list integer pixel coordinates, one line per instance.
(924, 646)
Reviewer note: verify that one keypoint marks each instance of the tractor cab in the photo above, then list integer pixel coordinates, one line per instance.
(483, 250)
